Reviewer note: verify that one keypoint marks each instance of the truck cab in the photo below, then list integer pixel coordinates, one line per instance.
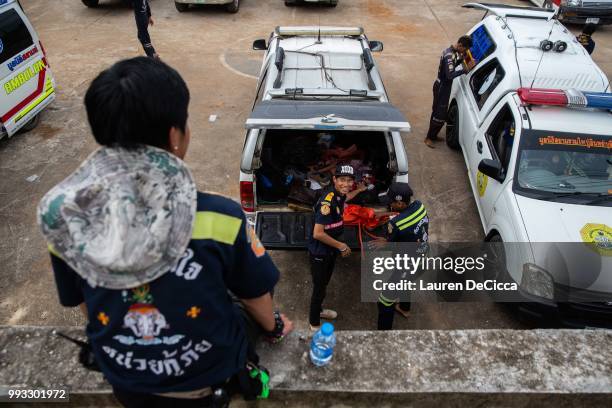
(319, 94)
(533, 122)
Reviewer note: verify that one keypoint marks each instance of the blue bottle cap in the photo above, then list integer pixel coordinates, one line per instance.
(327, 329)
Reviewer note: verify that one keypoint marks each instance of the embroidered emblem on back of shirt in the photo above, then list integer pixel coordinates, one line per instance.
(144, 320)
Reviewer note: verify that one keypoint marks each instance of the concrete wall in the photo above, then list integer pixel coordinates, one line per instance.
(399, 368)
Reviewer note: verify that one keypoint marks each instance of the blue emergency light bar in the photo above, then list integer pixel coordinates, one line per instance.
(570, 98)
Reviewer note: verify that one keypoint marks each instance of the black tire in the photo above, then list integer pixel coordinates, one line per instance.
(333, 4)
(181, 7)
(91, 3)
(233, 6)
(452, 127)
(31, 124)
(496, 258)
(290, 3)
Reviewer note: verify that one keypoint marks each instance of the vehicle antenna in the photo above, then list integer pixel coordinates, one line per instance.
(552, 27)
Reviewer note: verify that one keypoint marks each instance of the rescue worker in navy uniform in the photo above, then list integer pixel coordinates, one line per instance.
(410, 225)
(450, 68)
(325, 243)
(142, 13)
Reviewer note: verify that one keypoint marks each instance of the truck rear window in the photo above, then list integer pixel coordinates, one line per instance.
(14, 35)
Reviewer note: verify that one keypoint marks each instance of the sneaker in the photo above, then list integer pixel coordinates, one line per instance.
(329, 314)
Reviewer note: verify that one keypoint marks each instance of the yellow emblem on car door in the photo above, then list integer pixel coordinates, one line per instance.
(600, 236)
(481, 182)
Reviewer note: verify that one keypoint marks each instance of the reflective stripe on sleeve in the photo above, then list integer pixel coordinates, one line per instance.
(218, 227)
(412, 218)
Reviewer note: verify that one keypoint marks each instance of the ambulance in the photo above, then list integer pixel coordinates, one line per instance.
(27, 85)
(532, 120)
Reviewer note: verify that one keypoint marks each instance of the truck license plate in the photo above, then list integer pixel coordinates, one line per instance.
(592, 20)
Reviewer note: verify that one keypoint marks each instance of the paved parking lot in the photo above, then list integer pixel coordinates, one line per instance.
(212, 50)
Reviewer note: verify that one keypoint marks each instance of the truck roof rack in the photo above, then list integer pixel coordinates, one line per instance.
(309, 31)
(505, 10)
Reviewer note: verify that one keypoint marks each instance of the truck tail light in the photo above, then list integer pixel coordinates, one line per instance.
(45, 60)
(247, 198)
(572, 98)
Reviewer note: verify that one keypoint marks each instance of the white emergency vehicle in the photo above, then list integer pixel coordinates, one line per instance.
(318, 86)
(533, 122)
(27, 84)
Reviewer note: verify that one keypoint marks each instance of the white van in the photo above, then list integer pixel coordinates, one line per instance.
(27, 85)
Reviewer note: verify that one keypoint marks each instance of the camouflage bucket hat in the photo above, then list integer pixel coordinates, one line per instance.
(123, 218)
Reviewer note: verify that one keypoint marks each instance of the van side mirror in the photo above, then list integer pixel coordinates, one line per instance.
(376, 46)
(260, 45)
(491, 168)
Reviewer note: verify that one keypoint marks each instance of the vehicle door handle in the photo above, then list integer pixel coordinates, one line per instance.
(479, 146)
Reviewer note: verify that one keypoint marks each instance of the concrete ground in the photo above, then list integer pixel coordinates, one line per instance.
(212, 50)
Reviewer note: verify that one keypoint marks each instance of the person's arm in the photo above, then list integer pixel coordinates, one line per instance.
(252, 277)
(360, 189)
(320, 235)
(450, 70)
(261, 310)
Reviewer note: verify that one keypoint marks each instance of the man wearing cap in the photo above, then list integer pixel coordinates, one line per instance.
(325, 243)
(410, 225)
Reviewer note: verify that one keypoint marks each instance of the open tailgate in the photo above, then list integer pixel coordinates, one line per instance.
(292, 230)
(327, 115)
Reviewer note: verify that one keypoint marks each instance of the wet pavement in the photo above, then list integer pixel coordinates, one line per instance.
(212, 50)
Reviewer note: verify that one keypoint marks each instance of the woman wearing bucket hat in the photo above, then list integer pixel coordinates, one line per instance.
(149, 258)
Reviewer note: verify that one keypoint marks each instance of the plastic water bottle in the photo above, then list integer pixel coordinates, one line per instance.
(322, 345)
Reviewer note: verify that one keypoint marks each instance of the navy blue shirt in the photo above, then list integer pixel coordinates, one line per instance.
(329, 212)
(180, 332)
(411, 225)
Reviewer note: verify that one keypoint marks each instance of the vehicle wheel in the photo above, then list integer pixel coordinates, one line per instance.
(181, 7)
(290, 3)
(91, 3)
(31, 124)
(233, 6)
(495, 258)
(452, 127)
(333, 4)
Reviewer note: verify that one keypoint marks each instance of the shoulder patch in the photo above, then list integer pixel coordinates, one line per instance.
(325, 209)
(329, 196)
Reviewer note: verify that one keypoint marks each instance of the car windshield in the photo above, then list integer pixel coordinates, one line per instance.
(555, 164)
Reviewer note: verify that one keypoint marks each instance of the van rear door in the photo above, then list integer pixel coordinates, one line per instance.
(26, 84)
(292, 230)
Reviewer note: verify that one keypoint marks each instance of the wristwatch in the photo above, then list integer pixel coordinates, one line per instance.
(276, 335)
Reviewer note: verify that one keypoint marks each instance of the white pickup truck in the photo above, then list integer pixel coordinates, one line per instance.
(533, 122)
(319, 87)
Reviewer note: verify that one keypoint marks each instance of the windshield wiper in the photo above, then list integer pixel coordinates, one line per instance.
(598, 196)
